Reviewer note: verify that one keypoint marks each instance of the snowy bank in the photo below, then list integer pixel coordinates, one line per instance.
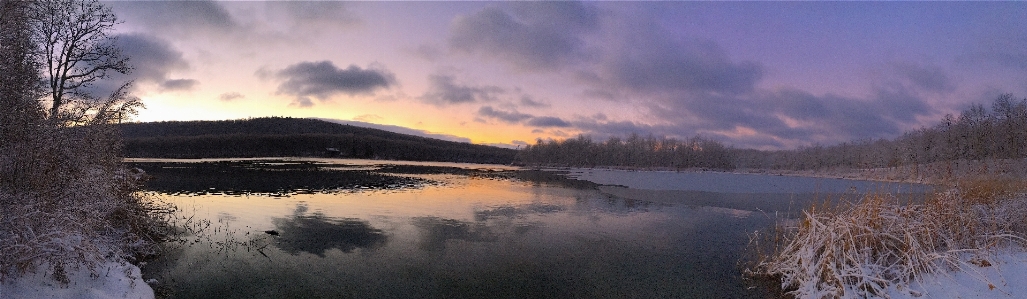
(109, 280)
(948, 246)
(1004, 275)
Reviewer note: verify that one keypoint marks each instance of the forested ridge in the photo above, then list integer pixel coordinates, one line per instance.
(977, 133)
(294, 137)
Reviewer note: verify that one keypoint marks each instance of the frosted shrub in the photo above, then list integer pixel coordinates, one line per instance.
(859, 250)
(67, 201)
(65, 198)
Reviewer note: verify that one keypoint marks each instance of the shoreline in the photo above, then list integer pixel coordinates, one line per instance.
(108, 280)
(935, 173)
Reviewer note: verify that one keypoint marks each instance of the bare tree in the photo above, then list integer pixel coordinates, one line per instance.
(65, 197)
(118, 106)
(1010, 119)
(20, 112)
(76, 51)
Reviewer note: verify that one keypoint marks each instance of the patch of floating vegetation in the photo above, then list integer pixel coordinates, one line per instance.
(541, 177)
(282, 178)
(269, 177)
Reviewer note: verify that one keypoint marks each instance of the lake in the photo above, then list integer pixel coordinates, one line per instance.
(334, 228)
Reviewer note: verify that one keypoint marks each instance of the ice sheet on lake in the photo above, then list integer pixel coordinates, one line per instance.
(735, 183)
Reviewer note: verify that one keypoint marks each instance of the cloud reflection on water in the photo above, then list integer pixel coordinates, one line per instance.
(436, 231)
(514, 212)
(316, 234)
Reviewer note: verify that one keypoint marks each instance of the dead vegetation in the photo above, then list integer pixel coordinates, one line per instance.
(68, 201)
(859, 249)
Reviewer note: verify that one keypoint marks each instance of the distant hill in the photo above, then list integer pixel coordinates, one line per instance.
(399, 129)
(294, 137)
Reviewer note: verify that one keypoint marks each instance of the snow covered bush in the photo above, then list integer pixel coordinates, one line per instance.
(858, 250)
(66, 200)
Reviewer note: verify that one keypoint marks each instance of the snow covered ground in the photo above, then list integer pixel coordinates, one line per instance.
(112, 280)
(1005, 276)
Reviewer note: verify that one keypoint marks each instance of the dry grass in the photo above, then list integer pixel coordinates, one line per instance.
(82, 228)
(857, 250)
(68, 202)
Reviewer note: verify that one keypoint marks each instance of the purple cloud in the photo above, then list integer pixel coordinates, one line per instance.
(322, 80)
(444, 90)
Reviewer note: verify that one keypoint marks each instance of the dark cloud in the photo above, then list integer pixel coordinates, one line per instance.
(514, 117)
(310, 11)
(230, 96)
(505, 116)
(692, 87)
(769, 119)
(547, 121)
(1015, 58)
(322, 80)
(302, 102)
(931, 78)
(427, 52)
(178, 84)
(791, 117)
(528, 101)
(684, 86)
(1002, 48)
(444, 90)
(600, 94)
(180, 17)
(642, 56)
(616, 128)
(151, 59)
(536, 35)
(654, 64)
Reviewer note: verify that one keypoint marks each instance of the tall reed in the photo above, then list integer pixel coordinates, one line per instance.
(859, 249)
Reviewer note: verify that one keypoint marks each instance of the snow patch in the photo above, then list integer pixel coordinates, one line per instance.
(111, 280)
(1003, 276)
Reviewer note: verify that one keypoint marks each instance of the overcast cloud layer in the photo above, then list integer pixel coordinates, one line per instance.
(757, 75)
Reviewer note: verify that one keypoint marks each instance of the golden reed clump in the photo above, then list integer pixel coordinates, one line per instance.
(859, 249)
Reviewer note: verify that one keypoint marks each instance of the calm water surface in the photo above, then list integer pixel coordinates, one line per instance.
(465, 237)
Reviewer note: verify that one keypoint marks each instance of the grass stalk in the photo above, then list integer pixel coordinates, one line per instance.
(859, 249)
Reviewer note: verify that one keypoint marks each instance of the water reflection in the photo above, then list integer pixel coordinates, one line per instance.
(470, 238)
(516, 212)
(263, 177)
(435, 232)
(316, 233)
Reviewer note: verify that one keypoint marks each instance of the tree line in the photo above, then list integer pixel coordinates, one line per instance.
(294, 137)
(633, 151)
(977, 133)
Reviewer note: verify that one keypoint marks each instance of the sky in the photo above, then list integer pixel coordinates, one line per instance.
(764, 75)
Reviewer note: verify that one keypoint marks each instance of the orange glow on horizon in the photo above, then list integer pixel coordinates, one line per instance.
(163, 107)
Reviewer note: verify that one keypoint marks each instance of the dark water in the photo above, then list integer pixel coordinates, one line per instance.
(448, 233)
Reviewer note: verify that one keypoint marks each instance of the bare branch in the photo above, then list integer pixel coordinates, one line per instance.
(77, 48)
